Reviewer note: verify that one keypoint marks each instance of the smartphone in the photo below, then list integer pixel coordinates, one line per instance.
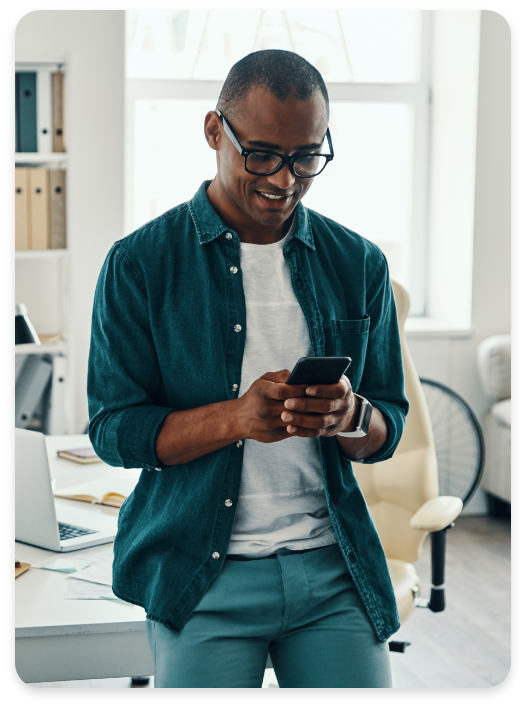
(319, 370)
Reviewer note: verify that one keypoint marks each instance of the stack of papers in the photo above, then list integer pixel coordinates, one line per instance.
(90, 574)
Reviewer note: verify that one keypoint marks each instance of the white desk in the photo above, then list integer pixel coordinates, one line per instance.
(60, 640)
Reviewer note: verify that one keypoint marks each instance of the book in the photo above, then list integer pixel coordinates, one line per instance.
(57, 94)
(108, 491)
(22, 226)
(26, 111)
(83, 455)
(39, 208)
(57, 208)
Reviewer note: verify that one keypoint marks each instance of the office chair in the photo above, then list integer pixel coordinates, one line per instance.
(402, 494)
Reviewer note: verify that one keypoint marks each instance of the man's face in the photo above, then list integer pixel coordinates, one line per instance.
(262, 121)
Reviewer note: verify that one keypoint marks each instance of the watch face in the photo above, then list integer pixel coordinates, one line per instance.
(366, 416)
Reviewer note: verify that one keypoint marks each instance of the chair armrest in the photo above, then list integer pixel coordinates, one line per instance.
(436, 514)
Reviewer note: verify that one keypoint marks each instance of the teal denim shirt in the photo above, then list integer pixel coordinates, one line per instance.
(164, 338)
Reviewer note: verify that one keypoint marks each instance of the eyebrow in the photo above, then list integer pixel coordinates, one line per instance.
(272, 146)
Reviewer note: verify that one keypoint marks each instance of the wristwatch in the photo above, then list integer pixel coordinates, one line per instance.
(366, 410)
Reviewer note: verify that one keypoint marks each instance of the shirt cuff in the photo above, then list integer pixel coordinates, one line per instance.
(395, 422)
(138, 431)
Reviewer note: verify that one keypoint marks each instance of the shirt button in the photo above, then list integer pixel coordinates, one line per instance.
(239, 443)
(234, 387)
(215, 555)
(228, 502)
(228, 236)
(157, 469)
(233, 270)
(238, 328)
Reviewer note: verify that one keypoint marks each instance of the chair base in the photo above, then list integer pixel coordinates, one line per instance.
(399, 646)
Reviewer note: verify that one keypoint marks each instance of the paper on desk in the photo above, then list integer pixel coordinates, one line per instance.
(63, 565)
(82, 590)
(77, 589)
(100, 573)
(72, 562)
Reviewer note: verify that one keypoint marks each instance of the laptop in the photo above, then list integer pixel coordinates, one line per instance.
(40, 520)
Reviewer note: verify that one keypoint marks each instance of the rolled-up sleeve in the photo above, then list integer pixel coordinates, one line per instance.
(382, 381)
(124, 377)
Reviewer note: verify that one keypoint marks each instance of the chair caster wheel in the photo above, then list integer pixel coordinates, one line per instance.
(399, 646)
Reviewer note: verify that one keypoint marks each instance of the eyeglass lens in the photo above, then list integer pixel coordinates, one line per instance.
(263, 163)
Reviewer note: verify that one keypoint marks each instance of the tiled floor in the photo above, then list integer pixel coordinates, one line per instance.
(468, 645)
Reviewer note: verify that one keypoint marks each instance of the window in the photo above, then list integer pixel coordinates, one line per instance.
(376, 70)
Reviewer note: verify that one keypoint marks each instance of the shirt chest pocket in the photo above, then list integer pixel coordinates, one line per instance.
(350, 339)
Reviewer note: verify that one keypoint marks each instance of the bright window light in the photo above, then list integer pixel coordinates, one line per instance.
(344, 45)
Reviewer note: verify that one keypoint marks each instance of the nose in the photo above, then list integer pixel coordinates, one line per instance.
(284, 179)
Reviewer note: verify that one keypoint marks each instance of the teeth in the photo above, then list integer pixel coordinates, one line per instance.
(272, 196)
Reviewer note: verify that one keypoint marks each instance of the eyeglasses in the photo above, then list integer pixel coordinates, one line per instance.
(268, 162)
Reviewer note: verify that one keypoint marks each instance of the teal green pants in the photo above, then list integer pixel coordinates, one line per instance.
(301, 608)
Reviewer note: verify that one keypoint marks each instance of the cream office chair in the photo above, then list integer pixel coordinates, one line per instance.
(403, 498)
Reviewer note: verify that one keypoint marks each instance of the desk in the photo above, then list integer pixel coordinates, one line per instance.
(60, 640)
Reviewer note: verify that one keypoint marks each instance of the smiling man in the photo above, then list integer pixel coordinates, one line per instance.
(247, 534)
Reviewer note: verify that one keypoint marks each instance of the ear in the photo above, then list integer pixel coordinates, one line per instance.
(212, 129)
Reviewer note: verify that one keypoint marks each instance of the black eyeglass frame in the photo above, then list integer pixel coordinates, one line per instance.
(285, 159)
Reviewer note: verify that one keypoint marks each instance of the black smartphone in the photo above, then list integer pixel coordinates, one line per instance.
(319, 370)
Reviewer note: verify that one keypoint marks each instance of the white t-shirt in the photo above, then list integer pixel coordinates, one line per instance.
(282, 500)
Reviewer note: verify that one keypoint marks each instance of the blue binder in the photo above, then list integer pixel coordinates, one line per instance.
(26, 111)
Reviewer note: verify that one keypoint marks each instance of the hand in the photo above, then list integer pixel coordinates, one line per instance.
(260, 408)
(325, 411)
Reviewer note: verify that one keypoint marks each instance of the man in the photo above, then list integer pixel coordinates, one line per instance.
(247, 533)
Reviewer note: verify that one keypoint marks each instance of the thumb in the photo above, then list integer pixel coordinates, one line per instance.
(277, 376)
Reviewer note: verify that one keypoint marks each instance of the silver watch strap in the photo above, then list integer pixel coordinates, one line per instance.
(363, 420)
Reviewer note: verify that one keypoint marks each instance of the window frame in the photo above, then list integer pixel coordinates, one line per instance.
(418, 94)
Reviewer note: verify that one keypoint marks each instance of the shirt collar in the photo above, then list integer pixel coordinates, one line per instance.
(209, 224)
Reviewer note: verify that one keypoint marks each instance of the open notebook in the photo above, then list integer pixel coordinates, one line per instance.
(110, 491)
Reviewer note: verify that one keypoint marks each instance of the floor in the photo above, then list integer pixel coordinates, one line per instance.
(468, 645)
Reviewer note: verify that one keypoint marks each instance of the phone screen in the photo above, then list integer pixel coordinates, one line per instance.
(319, 370)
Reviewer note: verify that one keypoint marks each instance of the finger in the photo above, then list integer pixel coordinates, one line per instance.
(310, 421)
(277, 376)
(280, 391)
(303, 432)
(314, 405)
(338, 390)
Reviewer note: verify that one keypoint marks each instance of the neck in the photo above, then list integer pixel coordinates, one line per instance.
(248, 230)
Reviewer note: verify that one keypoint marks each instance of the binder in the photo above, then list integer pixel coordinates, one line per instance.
(57, 208)
(26, 110)
(30, 387)
(39, 208)
(22, 226)
(57, 83)
(44, 115)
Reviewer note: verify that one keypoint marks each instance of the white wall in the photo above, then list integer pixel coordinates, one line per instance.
(92, 44)
(450, 359)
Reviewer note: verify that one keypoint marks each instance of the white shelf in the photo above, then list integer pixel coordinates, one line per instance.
(40, 158)
(48, 253)
(60, 347)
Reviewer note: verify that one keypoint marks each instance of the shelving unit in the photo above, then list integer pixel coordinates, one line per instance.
(42, 283)
(40, 158)
(49, 253)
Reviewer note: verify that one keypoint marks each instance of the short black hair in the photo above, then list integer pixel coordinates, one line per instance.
(278, 71)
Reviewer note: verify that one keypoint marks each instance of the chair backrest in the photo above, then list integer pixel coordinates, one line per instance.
(396, 488)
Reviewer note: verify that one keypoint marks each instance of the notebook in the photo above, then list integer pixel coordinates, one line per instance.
(109, 491)
(84, 455)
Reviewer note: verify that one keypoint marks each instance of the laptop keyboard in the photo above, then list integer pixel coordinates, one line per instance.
(68, 531)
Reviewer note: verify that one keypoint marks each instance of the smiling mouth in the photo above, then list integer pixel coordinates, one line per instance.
(277, 199)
